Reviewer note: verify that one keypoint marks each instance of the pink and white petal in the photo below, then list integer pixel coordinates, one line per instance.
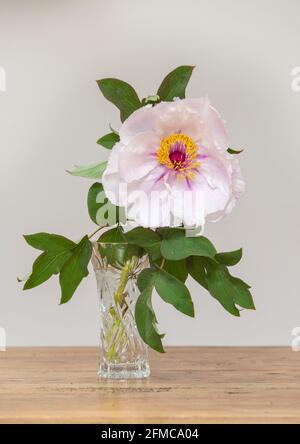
(216, 170)
(187, 200)
(111, 185)
(157, 179)
(139, 156)
(189, 208)
(149, 210)
(238, 183)
(215, 200)
(175, 117)
(152, 183)
(139, 121)
(215, 126)
(215, 129)
(198, 106)
(238, 186)
(110, 177)
(113, 161)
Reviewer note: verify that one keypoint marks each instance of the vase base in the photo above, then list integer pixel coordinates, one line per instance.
(124, 371)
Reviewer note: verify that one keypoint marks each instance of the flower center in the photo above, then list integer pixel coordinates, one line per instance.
(177, 158)
(178, 152)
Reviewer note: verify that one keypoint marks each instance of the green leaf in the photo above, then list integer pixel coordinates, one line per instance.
(168, 233)
(146, 321)
(94, 171)
(169, 288)
(220, 287)
(227, 289)
(177, 269)
(176, 246)
(146, 278)
(231, 151)
(175, 83)
(109, 140)
(147, 239)
(196, 268)
(114, 247)
(92, 200)
(47, 264)
(49, 242)
(57, 250)
(241, 293)
(174, 292)
(101, 210)
(229, 258)
(75, 269)
(113, 236)
(121, 94)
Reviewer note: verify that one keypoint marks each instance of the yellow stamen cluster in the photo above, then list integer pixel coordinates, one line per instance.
(191, 150)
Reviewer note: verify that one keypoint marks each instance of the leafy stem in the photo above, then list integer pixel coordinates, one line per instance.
(126, 270)
(118, 312)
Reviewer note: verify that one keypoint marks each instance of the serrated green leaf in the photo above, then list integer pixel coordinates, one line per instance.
(121, 94)
(220, 287)
(94, 171)
(241, 293)
(147, 239)
(101, 210)
(174, 292)
(109, 140)
(196, 268)
(146, 321)
(170, 289)
(49, 242)
(175, 83)
(229, 258)
(176, 246)
(177, 269)
(231, 151)
(45, 266)
(227, 289)
(75, 269)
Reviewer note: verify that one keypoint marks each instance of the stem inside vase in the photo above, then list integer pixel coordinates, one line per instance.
(123, 353)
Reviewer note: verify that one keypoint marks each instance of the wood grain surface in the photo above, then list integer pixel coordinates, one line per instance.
(187, 385)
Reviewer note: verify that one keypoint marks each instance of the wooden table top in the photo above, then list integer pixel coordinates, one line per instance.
(187, 385)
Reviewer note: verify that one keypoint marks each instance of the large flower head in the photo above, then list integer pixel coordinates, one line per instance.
(171, 166)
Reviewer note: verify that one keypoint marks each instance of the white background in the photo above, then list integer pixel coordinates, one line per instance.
(52, 113)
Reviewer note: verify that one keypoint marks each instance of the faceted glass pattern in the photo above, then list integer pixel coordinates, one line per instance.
(123, 354)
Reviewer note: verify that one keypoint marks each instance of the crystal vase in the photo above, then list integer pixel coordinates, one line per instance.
(123, 353)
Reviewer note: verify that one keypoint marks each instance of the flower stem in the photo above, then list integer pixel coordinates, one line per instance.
(126, 270)
(96, 231)
(118, 313)
(162, 263)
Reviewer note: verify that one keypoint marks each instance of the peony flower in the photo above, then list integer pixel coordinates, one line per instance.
(171, 166)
